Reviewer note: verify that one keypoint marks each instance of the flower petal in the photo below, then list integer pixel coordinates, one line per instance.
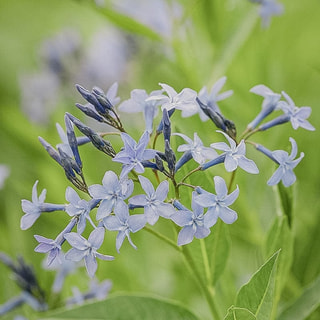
(186, 235)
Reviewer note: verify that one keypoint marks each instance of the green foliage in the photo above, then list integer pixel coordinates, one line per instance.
(126, 307)
(258, 294)
(235, 313)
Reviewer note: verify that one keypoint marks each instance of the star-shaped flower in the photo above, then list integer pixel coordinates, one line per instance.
(211, 99)
(110, 192)
(87, 249)
(217, 204)
(153, 201)
(80, 208)
(34, 209)
(235, 155)
(124, 223)
(50, 246)
(298, 116)
(194, 149)
(133, 154)
(194, 223)
(286, 165)
(138, 103)
(184, 101)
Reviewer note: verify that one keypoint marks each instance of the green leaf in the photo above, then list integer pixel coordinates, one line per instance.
(286, 200)
(258, 294)
(133, 307)
(280, 237)
(127, 23)
(235, 313)
(305, 304)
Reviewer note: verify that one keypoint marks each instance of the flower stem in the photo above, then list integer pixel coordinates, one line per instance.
(163, 237)
(205, 260)
(206, 289)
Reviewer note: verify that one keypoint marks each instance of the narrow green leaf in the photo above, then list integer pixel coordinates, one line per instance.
(280, 237)
(131, 307)
(128, 24)
(286, 200)
(235, 313)
(258, 294)
(305, 304)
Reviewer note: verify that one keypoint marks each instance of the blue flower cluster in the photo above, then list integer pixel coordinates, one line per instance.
(116, 202)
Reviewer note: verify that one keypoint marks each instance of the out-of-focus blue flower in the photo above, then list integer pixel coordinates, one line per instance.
(218, 203)
(211, 99)
(286, 164)
(138, 103)
(194, 148)
(268, 105)
(124, 223)
(184, 101)
(297, 115)
(79, 208)
(194, 223)
(87, 249)
(97, 291)
(62, 269)
(153, 200)
(267, 9)
(133, 154)
(111, 192)
(235, 155)
(34, 209)
(4, 173)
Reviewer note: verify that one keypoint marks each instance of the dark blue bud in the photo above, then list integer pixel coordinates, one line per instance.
(159, 163)
(184, 159)
(51, 151)
(72, 141)
(89, 112)
(160, 127)
(149, 164)
(213, 162)
(178, 205)
(166, 125)
(170, 157)
(103, 100)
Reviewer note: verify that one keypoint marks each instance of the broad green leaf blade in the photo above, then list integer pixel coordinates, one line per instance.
(128, 24)
(286, 200)
(307, 302)
(131, 307)
(258, 294)
(280, 237)
(235, 313)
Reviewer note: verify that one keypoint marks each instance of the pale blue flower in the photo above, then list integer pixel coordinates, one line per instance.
(97, 291)
(184, 101)
(286, 164)
(153, 200)
(195, 149)
(110, 192)
(269, 8)
(194, 223)
(133, 154)
(235, 155)
(218, 203)
(211, 99)
(79, 208)
(87, 249)
(124, 223)
(34, 209)
(298, 116)
(53, 247)
(268, 105)
(138, 103)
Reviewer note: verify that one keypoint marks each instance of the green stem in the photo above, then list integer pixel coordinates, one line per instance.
(233, 174)
(190, 173)
(205, 260)
(208, 293)
(164, 238)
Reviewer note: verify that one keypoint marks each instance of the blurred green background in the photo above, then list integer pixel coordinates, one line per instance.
(207, 40)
